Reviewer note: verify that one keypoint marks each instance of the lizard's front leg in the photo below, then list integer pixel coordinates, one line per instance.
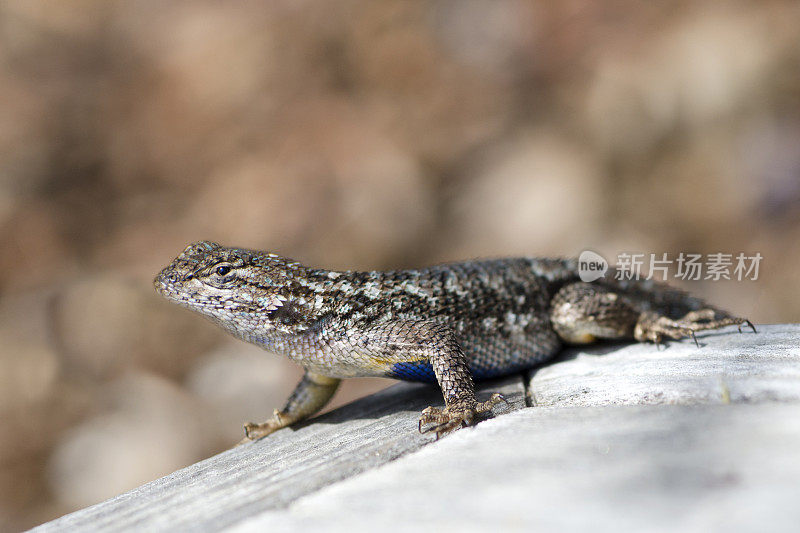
(310, 395)
(418, 341)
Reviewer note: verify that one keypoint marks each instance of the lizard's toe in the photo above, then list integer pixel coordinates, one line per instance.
(486, 406)
(665, 327)
(455, 416)
(445, 420)
(431, 415)
(256, 431)
(446, 427)
(653, 328)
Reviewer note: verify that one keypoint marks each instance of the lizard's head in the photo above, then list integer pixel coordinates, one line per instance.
(239, 288)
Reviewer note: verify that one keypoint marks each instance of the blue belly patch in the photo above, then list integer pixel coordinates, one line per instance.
(423, 371)
(413, 371)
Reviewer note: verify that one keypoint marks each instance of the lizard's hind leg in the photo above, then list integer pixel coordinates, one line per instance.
(582, 312)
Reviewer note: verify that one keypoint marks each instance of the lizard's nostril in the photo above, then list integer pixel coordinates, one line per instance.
(167, 276)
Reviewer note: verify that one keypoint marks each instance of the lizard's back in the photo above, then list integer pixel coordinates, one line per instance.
(499, 309)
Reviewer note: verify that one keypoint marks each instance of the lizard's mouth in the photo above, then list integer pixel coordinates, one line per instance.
(158, 283)
(167, 282)
(183, 288)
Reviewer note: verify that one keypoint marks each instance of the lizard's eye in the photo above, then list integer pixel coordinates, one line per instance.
(223, 270)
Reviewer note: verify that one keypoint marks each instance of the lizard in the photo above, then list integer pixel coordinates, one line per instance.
(449, 324)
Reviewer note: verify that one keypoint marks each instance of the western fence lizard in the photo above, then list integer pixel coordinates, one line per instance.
(448, 324)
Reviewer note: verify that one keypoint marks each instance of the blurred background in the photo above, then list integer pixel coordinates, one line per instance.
(349, 135)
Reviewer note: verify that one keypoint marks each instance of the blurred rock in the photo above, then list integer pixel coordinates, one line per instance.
(769, 155)
(29, 364)
(488, 36)
(107, 324)
(151, 428)
(27, 371)
(35, 406)
(35, 255)
(241, 383)
(387, 206)
(532, 196)
(24, 143)
(701, 69)
(671, 201)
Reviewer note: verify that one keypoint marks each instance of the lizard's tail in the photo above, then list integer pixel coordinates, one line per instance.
(660, 297)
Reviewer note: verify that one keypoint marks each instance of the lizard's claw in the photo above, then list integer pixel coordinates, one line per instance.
(694, 338)
(747, 323)
(455, 415)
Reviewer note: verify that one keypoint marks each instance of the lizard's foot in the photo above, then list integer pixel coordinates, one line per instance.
(455, 415)
(256, 431)
(654, 328)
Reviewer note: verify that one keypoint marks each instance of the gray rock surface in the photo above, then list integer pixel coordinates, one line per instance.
(711, 442)
(275, 471)
(727, 367)
(632, 468)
